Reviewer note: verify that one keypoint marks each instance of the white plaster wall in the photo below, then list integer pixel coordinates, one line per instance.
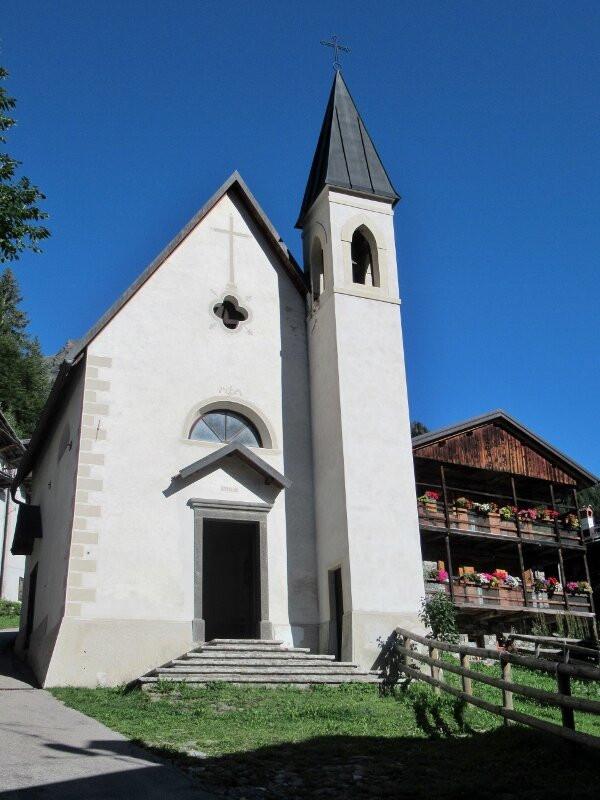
(165, 355)
(14, 566)
(365, 495)
(53, 489)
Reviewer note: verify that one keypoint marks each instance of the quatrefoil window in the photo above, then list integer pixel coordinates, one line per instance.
(230, 312)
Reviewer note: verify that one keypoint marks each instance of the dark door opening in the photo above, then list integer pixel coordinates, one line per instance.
(336, 606)
(30, 604)
(230, 579)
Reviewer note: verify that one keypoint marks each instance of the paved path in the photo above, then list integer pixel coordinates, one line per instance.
(51, 752)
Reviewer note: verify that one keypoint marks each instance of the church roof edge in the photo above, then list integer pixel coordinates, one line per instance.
(234, 183)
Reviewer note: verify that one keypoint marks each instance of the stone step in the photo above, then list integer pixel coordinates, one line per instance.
(242, 647)
(261, 679)
(291, 669)
(248, 661)
(269, 642)
(262, 655)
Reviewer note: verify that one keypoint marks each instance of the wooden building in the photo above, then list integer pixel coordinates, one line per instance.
(499, 524)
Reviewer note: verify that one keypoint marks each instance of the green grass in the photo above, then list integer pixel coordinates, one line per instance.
(10, 611)
(590, 690)
(346, 742)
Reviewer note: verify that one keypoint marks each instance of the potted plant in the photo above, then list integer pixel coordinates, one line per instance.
(507, 515)
(578, 587)
(508, 596)
(490, 512)
(461, 508)
(526, 517)
(428, 505)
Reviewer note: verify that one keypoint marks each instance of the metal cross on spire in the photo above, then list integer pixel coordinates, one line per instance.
(336, 48)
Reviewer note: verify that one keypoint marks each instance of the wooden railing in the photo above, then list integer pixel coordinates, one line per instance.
(562, 672)
(432, 515)
(552, 647)
(468, 595)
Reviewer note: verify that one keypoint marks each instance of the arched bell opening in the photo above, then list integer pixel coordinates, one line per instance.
(365, 269)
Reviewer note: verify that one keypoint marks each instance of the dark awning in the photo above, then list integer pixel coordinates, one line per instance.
(28, 528)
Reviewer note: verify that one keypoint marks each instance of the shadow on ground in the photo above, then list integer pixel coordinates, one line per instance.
(14, 674)
(505, 764)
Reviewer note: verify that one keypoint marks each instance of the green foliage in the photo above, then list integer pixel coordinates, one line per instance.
(539, 626)
(591, 497)
(18, 197)
(439, 614)
(417, 428)
(573, 627)
(9, 608)
(24, 381)
(10, 612)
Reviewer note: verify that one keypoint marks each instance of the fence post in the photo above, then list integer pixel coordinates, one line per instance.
(406, 643)
(507, 696)
(465, 663)
(564, 687)
(435, 670)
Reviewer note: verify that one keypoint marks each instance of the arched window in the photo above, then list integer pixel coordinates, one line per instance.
(317, 271)
(363, 268)
(225, 426)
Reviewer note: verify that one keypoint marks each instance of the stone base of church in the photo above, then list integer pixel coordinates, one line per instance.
(362, 631)
(298, 635)
(108, 652)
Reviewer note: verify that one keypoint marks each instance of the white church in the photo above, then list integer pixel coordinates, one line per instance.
(226, 454)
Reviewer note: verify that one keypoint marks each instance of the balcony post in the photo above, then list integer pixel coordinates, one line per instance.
(588, 579)
(556, 525)
(447, 516)
(563, 578)
(576, 503)
(519, 545)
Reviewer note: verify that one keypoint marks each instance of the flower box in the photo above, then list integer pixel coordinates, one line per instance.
(508, 527)
(494, 522)
(431, 513)
(459, 518)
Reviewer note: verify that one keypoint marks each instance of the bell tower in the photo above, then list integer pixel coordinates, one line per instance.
(368, 550)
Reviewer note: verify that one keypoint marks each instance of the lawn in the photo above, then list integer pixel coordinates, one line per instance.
(7, 621)
(347, 742)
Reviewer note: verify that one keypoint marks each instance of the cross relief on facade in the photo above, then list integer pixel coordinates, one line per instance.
(231, 234)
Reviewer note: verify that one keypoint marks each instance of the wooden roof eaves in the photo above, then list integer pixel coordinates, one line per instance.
(582, 475)
(236, 184)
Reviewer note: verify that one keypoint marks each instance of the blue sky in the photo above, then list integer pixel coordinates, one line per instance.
(486, 116)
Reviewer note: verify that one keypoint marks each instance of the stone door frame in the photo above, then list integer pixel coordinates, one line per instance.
(234, 512)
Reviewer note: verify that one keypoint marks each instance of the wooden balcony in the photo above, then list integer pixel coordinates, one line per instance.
(432, 516)
(470, 598)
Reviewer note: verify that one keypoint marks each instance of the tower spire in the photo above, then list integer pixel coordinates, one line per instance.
(345, 157)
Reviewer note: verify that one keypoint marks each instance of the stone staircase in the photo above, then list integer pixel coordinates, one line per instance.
(257, 662)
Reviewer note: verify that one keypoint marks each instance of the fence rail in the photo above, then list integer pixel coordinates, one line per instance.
(552, 645)
(562, 672)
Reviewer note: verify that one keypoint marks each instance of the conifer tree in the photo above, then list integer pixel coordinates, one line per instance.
(24, 381)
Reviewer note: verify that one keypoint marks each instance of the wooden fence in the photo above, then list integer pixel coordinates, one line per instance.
(552, 647)
(562, 672)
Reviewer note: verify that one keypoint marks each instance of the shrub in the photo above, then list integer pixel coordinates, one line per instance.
(10, 608)
(439, 614)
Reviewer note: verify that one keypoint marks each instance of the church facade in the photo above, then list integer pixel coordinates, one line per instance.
(227, 453)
